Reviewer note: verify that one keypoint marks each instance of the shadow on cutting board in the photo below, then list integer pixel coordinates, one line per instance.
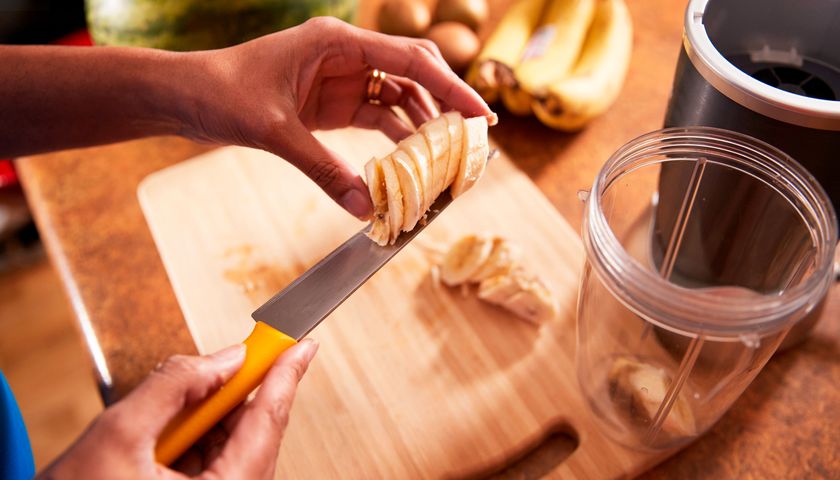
(497, 332)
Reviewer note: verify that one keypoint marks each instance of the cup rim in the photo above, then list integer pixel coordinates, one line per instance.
(696, 310)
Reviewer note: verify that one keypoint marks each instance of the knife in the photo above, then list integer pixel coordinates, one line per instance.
(282, 321)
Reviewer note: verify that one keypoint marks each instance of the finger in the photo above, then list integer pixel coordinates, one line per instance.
(232, 419)
(411, 97)
(383, 119)
(432, 48)
(190, 463)
(335, 176)
(179, 382)
(407, 58)
(251, 451)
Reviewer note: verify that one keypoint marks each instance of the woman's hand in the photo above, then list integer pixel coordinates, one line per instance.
(120, 443)
(267, 93)
(270, 92)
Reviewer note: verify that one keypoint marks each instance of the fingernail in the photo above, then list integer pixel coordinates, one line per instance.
(231, 355)
(492, 119)
(310, 348)
(354, 202)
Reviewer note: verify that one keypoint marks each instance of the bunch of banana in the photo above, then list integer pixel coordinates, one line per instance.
(446, 152)
(551, 53)
(596, 80)
(570, 70)
(493, 263)
(502, 51)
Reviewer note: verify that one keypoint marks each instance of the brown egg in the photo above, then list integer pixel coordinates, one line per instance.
(410, 18)
(472, 13)
(457, 43)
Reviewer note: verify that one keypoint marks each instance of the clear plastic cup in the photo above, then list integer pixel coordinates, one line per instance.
(704, 247)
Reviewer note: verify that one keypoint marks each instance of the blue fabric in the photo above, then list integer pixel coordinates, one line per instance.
(16, 462)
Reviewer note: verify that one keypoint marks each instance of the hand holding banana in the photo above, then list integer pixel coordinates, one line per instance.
(563, 60)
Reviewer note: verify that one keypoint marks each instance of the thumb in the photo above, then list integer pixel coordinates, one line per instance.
(181, 381)
(251, 450)
(334, 175)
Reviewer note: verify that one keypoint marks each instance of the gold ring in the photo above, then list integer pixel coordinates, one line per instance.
(374, 86)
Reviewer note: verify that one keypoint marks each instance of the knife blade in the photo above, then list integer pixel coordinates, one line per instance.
(283, 320)
(304, 303)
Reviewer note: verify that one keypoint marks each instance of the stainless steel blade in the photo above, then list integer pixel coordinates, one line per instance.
(304, 303)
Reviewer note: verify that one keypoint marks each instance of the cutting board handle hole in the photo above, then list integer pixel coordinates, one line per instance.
(540, 458)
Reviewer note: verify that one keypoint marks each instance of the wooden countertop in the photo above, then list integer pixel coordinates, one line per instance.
(785, 425)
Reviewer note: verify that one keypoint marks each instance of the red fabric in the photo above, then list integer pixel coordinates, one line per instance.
(7, 174)
(80, 38)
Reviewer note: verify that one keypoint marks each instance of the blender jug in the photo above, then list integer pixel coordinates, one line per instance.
(769, 69)
(676, 317)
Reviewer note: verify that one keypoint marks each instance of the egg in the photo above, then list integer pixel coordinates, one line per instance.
(410, 18)
(457, 43)
(472, 13)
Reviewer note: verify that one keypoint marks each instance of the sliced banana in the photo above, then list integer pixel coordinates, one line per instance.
(380, 229)
(474, 153)
(498, 289)
(417, 149)
(395, 197)
(493, 263)
(437, 138)
(380, 233)
(465, 257)
(640, 388)
(455, 125)
(412, 191)
(533, 303)
(501, 260)
(446, 152)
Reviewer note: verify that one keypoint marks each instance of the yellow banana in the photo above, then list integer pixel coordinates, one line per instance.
(596, 80)
(503, 49)
(551, 52)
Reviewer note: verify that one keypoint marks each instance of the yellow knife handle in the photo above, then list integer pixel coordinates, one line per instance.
(262, 347)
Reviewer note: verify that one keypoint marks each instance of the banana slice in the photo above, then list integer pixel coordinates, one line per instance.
(380, 233)
(465, 258)
(641, 388)
(523, 294)
(437, 138)
(412, 190)
(417, 149)
(474, 153)
(380, 230)
(501, 260)
(395, 197)
(455, 125)
(500, 288)
(534, 304)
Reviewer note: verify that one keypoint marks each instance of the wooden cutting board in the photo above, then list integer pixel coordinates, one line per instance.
(413, 380)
